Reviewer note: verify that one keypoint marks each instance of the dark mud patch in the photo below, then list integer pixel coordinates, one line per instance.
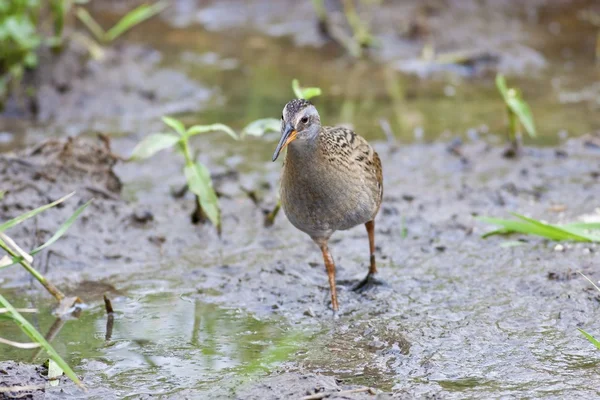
(26, 381)
(113, 92)
(297, 386)
(460, 316)
(109, 233)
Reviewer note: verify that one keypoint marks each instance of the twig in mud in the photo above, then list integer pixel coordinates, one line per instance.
(10, 389)
(108, 305)
(110, 318)
(104, 193)
(324, 395)
(54, 291)
(19, 345)
(270, 217)
(21, 310)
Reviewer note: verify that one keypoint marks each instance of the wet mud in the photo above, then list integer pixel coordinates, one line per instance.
(247, 315)
(459, 316)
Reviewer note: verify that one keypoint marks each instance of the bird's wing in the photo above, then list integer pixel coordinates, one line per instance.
(353, 150)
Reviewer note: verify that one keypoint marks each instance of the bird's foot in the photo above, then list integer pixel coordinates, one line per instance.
(370, 282)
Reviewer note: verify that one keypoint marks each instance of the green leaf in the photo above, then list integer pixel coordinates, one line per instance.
(296, 88)
(133, 18)
(196, 129)
(517, 105)
(89, 21)
(175, 124)
(32, 213)
(262, 126)
(199, 182)
(37, 337)
(309, 93)
(501, 85)
(523, 112)
(304, 93)
(152, 144)
(589, 337)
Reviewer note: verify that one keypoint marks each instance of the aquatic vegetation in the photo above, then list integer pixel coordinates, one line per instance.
(361, 37)
(130, 20)
(38, 339)
(518, 111)
(578, 232)
(20, 38)
(196, 174)
(16, 255)
(306, 93)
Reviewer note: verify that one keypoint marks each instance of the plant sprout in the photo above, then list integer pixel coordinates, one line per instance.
(131, 19)
(518, 112)
(16, 255)
(196, 174)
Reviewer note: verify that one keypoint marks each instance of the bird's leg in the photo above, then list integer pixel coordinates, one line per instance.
(330, 266)
(371, 232)
(370, 279)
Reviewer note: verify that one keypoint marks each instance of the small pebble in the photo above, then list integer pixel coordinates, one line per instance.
(310, 313)
(559, 247)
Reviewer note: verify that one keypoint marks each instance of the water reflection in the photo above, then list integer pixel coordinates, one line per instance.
(165, 341)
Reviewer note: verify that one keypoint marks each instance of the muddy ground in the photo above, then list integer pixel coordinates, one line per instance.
(461, 316)
(246, 315)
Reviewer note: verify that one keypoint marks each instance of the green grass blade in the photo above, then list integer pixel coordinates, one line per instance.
(554, 230)
(89, 21)
(63, 228)
(521, 227)
(175, 124)
(61, 231)
(37, 337)
(32, 213)
(583, 225)
(152, 144)
(196, 129)
(199, 182)
(590, 281)
(589, 337)
(133, 18)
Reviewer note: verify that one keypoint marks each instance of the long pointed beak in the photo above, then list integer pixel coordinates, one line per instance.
(288, 136)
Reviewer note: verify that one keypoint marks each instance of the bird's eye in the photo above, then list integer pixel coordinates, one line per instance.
(304, 120)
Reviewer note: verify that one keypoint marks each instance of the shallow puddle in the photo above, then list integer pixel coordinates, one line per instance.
(163, 341)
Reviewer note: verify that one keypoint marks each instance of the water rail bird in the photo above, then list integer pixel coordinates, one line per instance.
(331, 180)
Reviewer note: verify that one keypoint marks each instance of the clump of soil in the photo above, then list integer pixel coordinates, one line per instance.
(25, 376)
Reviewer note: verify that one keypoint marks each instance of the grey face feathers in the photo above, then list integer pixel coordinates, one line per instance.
(301, 115)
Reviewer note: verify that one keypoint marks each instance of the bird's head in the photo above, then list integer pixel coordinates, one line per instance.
(299, 121)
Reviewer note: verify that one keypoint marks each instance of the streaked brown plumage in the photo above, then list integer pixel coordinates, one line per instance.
(331, 180)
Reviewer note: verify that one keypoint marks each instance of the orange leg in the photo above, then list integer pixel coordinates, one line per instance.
(371, 231)
(370, 279)
(330, 266)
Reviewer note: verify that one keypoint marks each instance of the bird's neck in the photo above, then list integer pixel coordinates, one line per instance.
(302, 152)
